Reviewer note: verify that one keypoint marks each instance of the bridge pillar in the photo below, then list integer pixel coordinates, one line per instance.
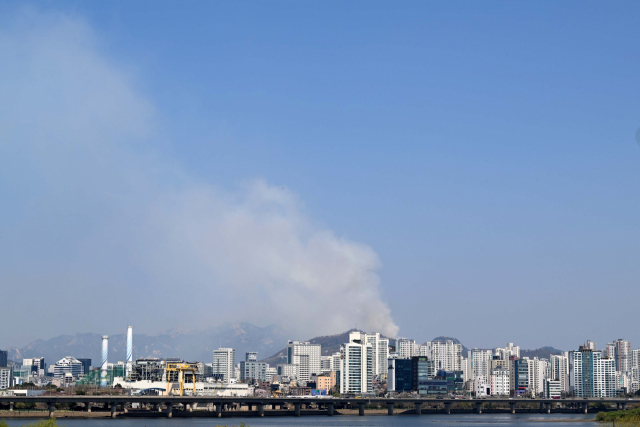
(330, 409)
(418, 406)
(260, 409)
(361, 409)
(52, 409)
(296, 409)
(541, 406)
(219, 409)
(190, 407)
(113, 408)
(10, 406)
(512, 406)
(586, 407)
(548, 407)
(479, 407)
(390, 408)
(169, 410)
(617, 406)
(624, 406)
(447, 407)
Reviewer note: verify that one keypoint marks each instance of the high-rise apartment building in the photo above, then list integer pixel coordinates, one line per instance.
(406, 348)
(590, 374)
(3, 358)
(481, 366)
(538, 374)
(446, 355)
(560, 370)
(356, 375)
(306, 356)
(224, 361)
(500, 384)
(336, 362)
(620, 351)
(380, 347)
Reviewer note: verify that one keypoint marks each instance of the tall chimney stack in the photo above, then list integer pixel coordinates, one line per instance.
(105, 352)
(129, 352)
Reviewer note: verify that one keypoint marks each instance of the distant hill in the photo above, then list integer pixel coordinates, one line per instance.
(330, 344)
(455, 341)
(540, 353)
(191, 346)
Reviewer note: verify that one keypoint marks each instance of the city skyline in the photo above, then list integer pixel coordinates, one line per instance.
(416, 170)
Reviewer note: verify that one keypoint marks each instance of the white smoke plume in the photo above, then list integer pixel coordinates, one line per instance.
(100, 230)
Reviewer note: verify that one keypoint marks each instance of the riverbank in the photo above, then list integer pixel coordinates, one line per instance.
(630, 417)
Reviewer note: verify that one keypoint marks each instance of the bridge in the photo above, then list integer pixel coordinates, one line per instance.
(166, 405)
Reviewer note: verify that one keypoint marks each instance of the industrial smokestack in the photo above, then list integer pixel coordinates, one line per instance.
(105, 352)
(129, 351)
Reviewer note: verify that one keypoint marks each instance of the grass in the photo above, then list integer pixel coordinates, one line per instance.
(629, 418)
(41, 423)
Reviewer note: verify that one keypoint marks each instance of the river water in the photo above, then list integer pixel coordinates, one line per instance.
(464, 420)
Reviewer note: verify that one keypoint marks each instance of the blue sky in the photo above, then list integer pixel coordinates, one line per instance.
(484, 151)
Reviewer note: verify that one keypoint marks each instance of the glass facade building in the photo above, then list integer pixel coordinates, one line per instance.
(403, 375)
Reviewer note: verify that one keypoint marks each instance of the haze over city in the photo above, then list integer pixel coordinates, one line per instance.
(413, 169)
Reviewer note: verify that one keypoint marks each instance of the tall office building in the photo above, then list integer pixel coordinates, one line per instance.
(590, 374)
(224, 361)
(38, 367)
(68, 365)
(3, 358)
(560, 370)
(356, 374)
(306, 356)
(251, 369)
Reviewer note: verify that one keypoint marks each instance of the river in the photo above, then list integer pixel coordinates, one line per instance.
(465, 420)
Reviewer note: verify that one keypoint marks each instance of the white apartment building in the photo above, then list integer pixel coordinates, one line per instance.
(538, 374)
(224, 364)
(622, 353)
(380, 347)
(5, 377)
(590, 374)
(336, 361)
(356, 374)
(446, 355)
(306, 356)
(406, 348)
(560, 370)
(500, 382)
(481, 366)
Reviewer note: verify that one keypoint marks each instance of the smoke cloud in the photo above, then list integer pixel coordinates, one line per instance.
(99, 229)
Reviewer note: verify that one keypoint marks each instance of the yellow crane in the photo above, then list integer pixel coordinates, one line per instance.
(182, 369)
